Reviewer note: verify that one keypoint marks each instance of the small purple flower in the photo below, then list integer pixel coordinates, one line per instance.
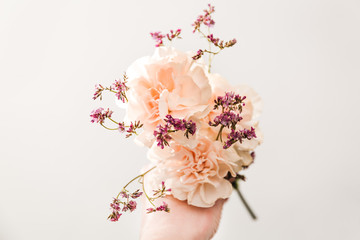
(136, 194)
(114, 216)
(150, 210)
(125, 208)
(121, 127)
(162, 136)
(99, 115)
(157, 36)
(173, 125)
(131, 205)
(226, 119)
(98, 91)
(177, 123)
(230, 101)
(132, 128)
(164, 207)
(123, 194)
(115, 205)
(120, 89)
(173, 34)
(215, 41)
(239, 135)
(162, 191)
(198, 55)
(96, 116)
(205, 19)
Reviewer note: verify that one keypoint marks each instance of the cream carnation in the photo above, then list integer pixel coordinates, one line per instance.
(169, 82)
(196, 174)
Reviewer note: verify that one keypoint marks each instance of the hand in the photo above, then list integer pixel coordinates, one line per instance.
(183, 222)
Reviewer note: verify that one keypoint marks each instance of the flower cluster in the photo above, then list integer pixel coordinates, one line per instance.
(231, 105)
(126, 202)
(158, 36)
(173, 125)
(239, 135)
(227, 119)
(131, 129)
(164, 207)
(198, 55)
(160, 193)
(173, 34)
(99, 115)
(119, 87)
(205, 19)
(220, 43)
(98, 91)
(177, 102)
(230, 101)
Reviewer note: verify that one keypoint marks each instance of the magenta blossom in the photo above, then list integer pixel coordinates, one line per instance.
(240, 135)
(157, 36)
(99, 115)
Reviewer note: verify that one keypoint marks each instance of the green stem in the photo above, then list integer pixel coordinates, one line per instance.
(113, 120)
(219, 134)
(110, 90)
(250, 211)
(141, 175)
(148, 198)
(108, 128)
(214, 53)
(210, 58)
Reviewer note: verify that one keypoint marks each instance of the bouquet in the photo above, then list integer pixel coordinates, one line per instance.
(199, 130)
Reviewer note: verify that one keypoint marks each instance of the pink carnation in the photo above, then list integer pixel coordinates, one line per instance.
(196, 174)
(169, 82)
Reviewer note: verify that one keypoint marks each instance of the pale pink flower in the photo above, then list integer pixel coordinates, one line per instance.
(169, 82)
(196, 174)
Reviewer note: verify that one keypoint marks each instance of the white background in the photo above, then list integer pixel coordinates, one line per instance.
(58, 171)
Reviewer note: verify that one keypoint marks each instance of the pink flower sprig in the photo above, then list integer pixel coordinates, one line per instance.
(239, 135)
(162, 191)
(99, 115)
(226, 119)
(131, 129)
(208, 21)
(162, 134)
(173, 34)
(128, 200)
(198, 55)
(158, 36)
(230, 101)
(205, 19)
(220, 43)
(164, 207)
(231, 105)
(119, 87)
